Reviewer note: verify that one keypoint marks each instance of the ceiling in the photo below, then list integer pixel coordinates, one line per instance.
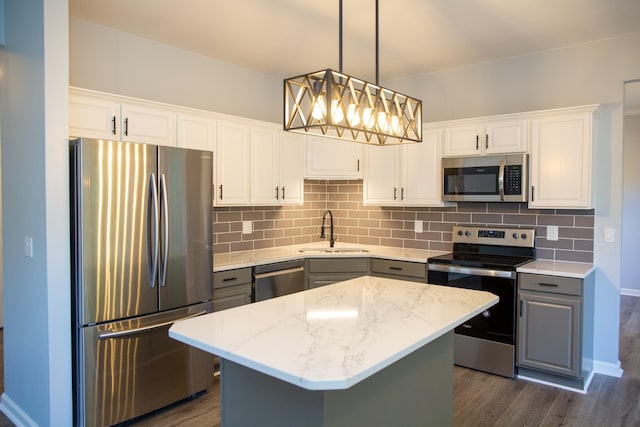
(290, 37)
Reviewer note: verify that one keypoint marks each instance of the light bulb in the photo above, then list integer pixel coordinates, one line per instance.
(337, 116)
(319, 111)
(368, 118)
(352, 115)
(395, 125)
(383, 124)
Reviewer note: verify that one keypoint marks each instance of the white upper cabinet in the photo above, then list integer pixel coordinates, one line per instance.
(292, 151)
(93, 116)
(148, 124)
(196, 131)
(103, 116)
(329, 158)
(232, 160)
(562, 158)
(489, 136)
(405, 175)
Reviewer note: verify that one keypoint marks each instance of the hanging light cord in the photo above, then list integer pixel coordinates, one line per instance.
(340, 37)
(377, 49)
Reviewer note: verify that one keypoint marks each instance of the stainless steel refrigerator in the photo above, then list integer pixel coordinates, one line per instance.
(141, 259)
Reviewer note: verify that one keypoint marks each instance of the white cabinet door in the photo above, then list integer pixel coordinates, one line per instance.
(292, 150)
(382, 186)
(561, 161)
(463, 139)
(93, 117)
(422, 171)
(232, 161)
(505, 136)
(333, 159)
(148, 124)
(265, 165)
(196, 131)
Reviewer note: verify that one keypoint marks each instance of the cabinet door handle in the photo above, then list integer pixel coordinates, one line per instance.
(395, 193)
(486, 143)
(548, 285)
(229, 279)
(533, 193)
(220, 187)
(395, 268)
(477, 142)
(126, 126)
(358, 166)
(282, 193)
(113, 125)
(277, 193)
(402, 193)
(521, 306)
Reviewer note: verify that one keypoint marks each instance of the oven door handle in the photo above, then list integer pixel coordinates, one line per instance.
(473, 271)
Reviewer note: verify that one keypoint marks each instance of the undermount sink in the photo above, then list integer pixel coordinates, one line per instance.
(333, 250)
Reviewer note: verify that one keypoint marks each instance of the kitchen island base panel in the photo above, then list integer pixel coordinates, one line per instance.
(416, 390)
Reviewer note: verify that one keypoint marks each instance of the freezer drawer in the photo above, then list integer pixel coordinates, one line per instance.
(128, 368)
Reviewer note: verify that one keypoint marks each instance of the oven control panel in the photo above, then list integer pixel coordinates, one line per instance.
(524, 237)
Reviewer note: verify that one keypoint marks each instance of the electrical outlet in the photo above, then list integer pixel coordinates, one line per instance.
(609, 234)
(552, 232)
(417, 227)
(247, 227)
(28, 246)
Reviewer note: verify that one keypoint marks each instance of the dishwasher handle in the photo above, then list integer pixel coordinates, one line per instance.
(278, 272)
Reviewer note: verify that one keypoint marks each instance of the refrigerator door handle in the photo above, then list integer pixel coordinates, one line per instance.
(164, 218)
(153, 223)
(126, 332)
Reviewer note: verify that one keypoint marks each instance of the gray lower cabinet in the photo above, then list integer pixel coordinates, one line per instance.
(231, 288)
(403, 270)
(325, 271)
(555, 326)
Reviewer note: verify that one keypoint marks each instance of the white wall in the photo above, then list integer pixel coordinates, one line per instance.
(33, 109)
(583, 74)
(112, 61)
(630, 274)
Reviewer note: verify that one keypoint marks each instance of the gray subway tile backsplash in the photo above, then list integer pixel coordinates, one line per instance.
(393, 226)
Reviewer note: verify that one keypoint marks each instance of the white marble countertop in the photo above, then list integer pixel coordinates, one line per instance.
(332, 337)
(577, 270)
(233, 260)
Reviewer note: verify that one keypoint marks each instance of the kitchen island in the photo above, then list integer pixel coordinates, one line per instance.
(367, 351)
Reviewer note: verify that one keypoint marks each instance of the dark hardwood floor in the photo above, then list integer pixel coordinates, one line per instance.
(487, 400)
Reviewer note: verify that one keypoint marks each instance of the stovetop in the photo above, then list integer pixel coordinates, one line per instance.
(490, 248)
(495, 262)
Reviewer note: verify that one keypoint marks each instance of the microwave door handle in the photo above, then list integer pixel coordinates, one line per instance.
(501, 180)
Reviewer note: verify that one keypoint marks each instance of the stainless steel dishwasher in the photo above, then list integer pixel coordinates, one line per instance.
(275, 280)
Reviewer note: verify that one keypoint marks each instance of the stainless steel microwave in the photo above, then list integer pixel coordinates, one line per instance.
(499, 178)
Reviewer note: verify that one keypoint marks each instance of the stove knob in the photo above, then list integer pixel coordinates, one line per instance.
(524, 236)
(515, 235)
(459, 232)
(467, 233)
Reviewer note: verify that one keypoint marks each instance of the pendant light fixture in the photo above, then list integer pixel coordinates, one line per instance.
(333, 104)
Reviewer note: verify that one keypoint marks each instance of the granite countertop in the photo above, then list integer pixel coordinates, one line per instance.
(576, 270)
(332, 337)
(233, 260)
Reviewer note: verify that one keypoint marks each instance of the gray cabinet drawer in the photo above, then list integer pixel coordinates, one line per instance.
(231, 296)
(338, 265)
(550, 284)
(399, 268)
(222, 279)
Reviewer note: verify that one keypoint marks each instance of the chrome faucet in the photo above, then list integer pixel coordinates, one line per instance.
(332, 239)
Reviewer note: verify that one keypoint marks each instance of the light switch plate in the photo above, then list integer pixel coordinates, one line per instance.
(417, 227)
(552, 232)
(247, 227)
(28, 246)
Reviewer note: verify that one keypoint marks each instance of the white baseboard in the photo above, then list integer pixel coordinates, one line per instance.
(610, 369)
(15, 412)
(562, 386)
(630, 292)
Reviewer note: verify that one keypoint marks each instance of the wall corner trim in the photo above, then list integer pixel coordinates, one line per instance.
(606, 368)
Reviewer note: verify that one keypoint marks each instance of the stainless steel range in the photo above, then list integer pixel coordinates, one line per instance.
(486, 259)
